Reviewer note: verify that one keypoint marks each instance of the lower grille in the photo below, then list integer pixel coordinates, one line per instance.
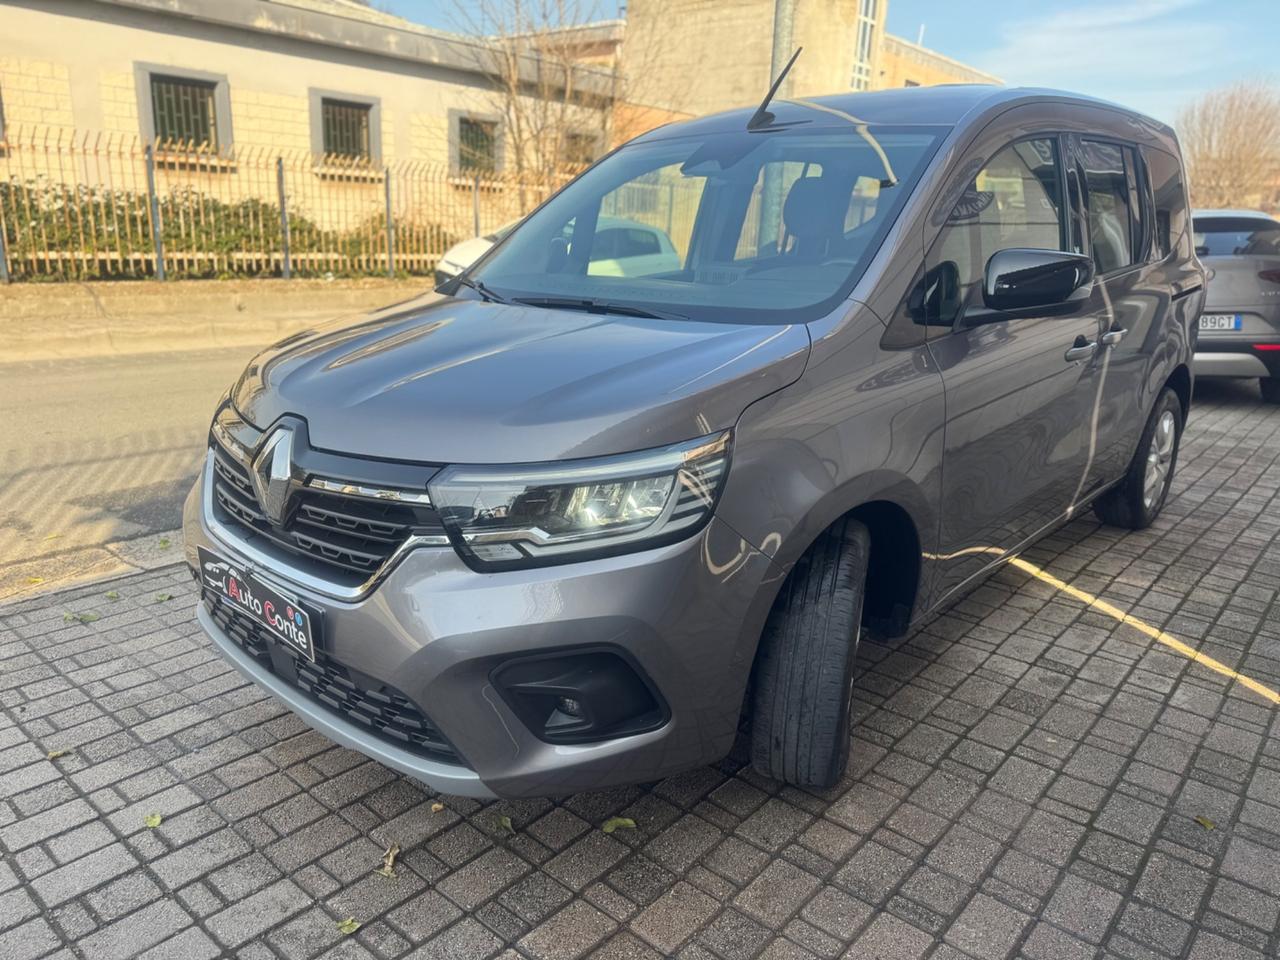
(377, 707)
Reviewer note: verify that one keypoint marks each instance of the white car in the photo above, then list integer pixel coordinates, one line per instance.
(466, 252)
(622, 248)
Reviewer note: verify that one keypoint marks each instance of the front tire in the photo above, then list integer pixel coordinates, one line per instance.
(804, 668)
(1270, 389)
(1136, 501)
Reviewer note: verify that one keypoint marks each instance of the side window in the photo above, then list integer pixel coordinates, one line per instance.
(1170, 201)
(1115, 220)
(1015, 200)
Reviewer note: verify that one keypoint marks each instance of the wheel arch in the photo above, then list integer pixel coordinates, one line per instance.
(1180, 382)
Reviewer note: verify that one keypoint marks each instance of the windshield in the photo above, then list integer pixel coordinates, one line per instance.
(1236, 236)
(772, 226)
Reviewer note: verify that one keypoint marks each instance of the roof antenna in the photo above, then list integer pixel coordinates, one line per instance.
(762, 117)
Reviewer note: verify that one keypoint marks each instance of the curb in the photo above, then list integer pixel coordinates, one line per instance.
(128, 561)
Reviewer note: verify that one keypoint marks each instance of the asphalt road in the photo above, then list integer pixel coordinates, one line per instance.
(95, 453)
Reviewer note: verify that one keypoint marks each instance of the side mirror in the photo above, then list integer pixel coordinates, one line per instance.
(1020, 279)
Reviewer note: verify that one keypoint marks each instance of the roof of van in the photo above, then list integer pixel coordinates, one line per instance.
(945, 104)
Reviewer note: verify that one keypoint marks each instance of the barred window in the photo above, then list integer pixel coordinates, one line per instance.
(346, 128)
(578, 149)
(477, 145)
(184, 111)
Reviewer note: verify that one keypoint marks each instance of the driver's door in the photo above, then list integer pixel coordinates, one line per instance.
(1019, 387)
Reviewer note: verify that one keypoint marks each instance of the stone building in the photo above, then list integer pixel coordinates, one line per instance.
(324, 76)
(699, 56)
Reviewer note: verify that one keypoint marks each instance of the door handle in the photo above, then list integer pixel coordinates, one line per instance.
(1082, 349)
(1112, 336)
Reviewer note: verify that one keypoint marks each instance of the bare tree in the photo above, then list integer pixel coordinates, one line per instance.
(552, 83)
(1231, 143)
(560, 82)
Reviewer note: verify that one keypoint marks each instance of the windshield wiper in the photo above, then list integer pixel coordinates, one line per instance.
(598, 306)
(478, 286)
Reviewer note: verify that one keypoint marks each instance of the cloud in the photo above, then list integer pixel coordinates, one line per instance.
(1148, 55)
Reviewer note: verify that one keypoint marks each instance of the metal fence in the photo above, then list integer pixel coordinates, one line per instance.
(79, 206)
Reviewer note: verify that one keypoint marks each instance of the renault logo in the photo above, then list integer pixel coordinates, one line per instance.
(273, 474)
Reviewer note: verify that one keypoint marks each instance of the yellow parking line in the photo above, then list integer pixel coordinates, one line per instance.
(1154, 633)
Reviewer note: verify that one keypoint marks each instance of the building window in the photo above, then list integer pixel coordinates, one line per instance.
(183, 108)
(578, 149)
(477, 145)
(184, 112)
(346, 126)
(864, 47)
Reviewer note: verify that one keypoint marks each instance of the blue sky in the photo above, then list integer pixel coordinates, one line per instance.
(1154, 55)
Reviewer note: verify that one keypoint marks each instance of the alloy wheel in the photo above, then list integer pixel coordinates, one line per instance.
(1159, 456)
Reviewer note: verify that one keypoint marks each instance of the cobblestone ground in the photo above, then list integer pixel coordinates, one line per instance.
(1026, 781)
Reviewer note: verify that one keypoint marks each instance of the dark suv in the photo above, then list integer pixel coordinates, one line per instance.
(566, 522)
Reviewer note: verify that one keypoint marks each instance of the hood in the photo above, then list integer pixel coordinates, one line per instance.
(460, 381)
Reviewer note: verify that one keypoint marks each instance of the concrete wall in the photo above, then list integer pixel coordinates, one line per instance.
(45, 321)
(702, 56)
(34, 90)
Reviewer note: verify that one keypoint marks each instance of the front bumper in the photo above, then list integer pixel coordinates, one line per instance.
(688, 615)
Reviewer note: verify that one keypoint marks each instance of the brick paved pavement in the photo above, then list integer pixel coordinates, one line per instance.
(1025, 779)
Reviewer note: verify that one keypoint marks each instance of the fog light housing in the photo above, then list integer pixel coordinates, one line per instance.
(580, 697)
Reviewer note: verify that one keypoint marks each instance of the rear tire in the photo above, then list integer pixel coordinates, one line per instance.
(1270, 389)
(804, 668)
(1136, 501)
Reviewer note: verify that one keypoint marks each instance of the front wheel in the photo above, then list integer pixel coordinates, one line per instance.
(804, 668)
(1136, 501)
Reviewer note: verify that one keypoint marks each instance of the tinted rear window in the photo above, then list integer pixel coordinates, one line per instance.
(1236, 236)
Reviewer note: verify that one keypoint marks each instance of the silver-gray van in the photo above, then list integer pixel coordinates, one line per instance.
(572, 521)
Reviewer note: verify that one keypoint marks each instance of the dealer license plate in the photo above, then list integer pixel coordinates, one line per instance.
(284, 619)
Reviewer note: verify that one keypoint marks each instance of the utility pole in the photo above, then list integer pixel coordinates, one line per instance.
(784, 22)
(784, 25)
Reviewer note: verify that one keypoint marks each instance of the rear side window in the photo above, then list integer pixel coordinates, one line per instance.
(1111, 197)
(1170, 197)
(1236, 237)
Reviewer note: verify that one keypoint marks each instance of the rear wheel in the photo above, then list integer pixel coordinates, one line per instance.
(1270, 389)
(804, 669)
(1136, 501)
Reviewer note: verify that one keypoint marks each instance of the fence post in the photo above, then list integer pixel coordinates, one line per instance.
(286, 264)
(475, 203)
(391, 227)
(157, 238)
(4, 256)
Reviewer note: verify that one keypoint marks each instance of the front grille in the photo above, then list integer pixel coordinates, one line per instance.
(377, 707)
(351, 537)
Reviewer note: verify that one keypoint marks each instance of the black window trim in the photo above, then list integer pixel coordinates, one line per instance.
(143, 74)
(316, 98)
(1077, 154)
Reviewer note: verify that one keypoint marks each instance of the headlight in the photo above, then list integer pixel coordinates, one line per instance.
(544, 513)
